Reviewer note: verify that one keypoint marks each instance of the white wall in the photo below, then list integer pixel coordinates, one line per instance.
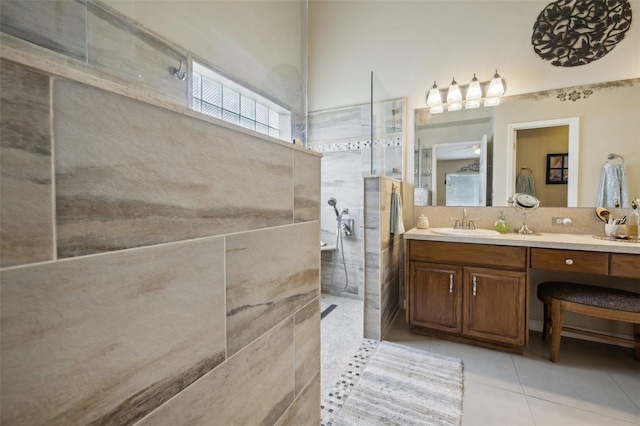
(409, 44)
(262, 43)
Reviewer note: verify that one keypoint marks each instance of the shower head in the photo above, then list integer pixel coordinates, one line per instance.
(332, 202)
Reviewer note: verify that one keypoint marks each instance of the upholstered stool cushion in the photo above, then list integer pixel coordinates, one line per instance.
(602, 297)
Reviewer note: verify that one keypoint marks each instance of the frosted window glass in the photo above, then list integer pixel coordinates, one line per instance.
(274, 119)
(197, 86)
(248, 108)
(463, 189)
(247, 123)
(262, 114)
(211, 110)
(230, 100)
(262, 128)
(211, 92)
(230, 117)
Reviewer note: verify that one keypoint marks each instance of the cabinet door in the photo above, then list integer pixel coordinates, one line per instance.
(436, 296)
(494, 305)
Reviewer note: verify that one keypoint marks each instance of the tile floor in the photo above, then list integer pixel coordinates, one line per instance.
(591, 384)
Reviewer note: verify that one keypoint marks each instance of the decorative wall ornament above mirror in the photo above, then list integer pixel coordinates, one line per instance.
(570, 33)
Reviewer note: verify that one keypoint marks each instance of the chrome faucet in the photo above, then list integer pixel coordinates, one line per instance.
(466, 223)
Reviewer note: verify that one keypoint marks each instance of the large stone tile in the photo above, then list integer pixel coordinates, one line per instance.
(58, 25)
(551, 413)
(306, 187)
(119, 47)
(342, 335)
(583, 377)
(481, 365)
(484, 405)
(307, 336)
(271, 274)
(26, 202)
(129, 174)
(254, 387)
(108, 338)
(305, 410)
(340, 123)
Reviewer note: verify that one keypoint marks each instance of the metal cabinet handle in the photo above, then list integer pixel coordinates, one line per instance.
(569, 261)
(474, 286)
(450, 283)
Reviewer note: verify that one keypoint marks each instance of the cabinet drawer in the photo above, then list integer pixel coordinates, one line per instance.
(570, 261)
(625, 265)
(468, 254)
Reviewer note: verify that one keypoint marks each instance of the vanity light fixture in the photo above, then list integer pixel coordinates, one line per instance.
(434, 100)
(454, 96)
(495, 90)
(474, 93)
(473, 99)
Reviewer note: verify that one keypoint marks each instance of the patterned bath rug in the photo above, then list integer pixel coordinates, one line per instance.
(405, 386)
(333, 400)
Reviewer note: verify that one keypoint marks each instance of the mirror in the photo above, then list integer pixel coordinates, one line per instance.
(452, 159)
(608, 124)
(524, 203)
(459, 171)
(555, 184)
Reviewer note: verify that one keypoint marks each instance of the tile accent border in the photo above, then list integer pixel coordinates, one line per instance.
(355, 145)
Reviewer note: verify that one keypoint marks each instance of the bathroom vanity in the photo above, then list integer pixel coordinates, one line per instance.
(476, 290)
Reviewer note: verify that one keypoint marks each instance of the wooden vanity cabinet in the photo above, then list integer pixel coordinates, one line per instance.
(475, 293)
(436, 295)
(495, 306)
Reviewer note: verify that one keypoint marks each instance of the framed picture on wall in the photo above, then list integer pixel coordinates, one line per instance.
(557, 168)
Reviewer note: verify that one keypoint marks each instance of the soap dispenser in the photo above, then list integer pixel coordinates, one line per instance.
(501, 225)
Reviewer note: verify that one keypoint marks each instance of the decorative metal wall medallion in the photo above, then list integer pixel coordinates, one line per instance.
(576, 32)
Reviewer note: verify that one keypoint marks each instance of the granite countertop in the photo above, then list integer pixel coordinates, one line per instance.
(545, 240)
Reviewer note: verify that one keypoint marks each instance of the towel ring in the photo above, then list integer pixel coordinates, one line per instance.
(615, 156)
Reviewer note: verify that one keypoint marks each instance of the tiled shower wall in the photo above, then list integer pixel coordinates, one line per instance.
(382, 257)
(107, 43)
(343, 136)
(153, 263)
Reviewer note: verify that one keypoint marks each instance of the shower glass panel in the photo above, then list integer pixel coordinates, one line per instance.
(386, 125)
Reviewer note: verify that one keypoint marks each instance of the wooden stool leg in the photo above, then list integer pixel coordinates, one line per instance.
(556, 332)
(636, 332)
(546, 321)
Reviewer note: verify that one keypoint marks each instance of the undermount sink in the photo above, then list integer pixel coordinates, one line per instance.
(466, 232)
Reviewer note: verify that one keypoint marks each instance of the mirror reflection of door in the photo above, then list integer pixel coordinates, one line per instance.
(533, 147)
(459, 173)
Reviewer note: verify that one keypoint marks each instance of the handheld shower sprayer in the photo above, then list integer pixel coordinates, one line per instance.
(332, 202)
(342, 228)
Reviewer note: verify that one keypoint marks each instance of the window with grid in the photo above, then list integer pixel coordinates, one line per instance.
(218, 97)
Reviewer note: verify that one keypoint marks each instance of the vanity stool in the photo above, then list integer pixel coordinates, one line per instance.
(601, 302)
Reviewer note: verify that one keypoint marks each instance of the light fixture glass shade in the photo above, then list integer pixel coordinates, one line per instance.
(455, 106)
(492, 102)
(496, 87)
(434, 98)
(454, 95)
(474, 103)
(436, 109)
(474, 91)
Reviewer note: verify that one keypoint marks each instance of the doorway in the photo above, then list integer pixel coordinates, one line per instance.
(531, 147)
